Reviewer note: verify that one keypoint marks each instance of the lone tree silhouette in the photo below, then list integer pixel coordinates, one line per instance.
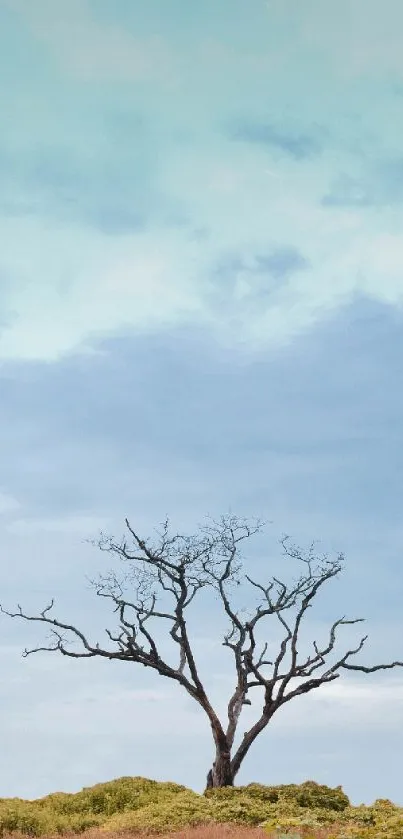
(176, 569)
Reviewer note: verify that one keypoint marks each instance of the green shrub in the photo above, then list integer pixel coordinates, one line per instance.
(309, 794)
(182, 810)
(76, 822)
(252, 805)
(140, 804)
(240, 810)
(255, 792)
(113, 796)
(382, 803)
(25, 818)
(57, 802)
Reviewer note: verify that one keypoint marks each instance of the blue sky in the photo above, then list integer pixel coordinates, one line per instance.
(201, 291)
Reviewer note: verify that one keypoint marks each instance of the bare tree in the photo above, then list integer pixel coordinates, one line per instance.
(176, 569)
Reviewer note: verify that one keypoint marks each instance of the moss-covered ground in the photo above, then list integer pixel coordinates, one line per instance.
(141, 806)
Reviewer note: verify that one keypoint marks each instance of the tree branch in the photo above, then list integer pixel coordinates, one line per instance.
(176, 569)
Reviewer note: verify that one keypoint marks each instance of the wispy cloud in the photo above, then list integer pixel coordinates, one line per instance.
(281, 262)
(295, 144)
(8, 504)
(51, 184)
(380, 185)
(246, 282)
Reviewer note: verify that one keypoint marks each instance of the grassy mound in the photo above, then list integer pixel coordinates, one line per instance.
(140, 805)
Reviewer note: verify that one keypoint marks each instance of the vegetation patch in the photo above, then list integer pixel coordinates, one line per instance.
(113, 796)
(142, 806)
(182, 810)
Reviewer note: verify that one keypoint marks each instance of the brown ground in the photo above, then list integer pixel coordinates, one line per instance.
(208, 831)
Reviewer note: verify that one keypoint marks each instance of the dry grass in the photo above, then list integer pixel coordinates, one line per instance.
(207, 831)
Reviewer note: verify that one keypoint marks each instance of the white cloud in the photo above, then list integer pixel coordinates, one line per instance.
(90, 50)
(69, 524)
(344, 705)
(67, 286)
(138, 282)
(92, 704)
(89, 714)
(8, 504)
(360, 38)
(362, 693)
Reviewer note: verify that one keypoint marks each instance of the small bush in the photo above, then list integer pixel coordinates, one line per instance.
(382, 803)
(239, 810)
(309, 794)
(255, 792)
(23, 817)
(113, 796)
(182, 810)
(31, 820)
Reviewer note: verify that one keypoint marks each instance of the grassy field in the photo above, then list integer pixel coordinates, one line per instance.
(139, 807)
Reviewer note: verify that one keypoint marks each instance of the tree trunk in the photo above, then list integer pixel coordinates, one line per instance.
(220, 775)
